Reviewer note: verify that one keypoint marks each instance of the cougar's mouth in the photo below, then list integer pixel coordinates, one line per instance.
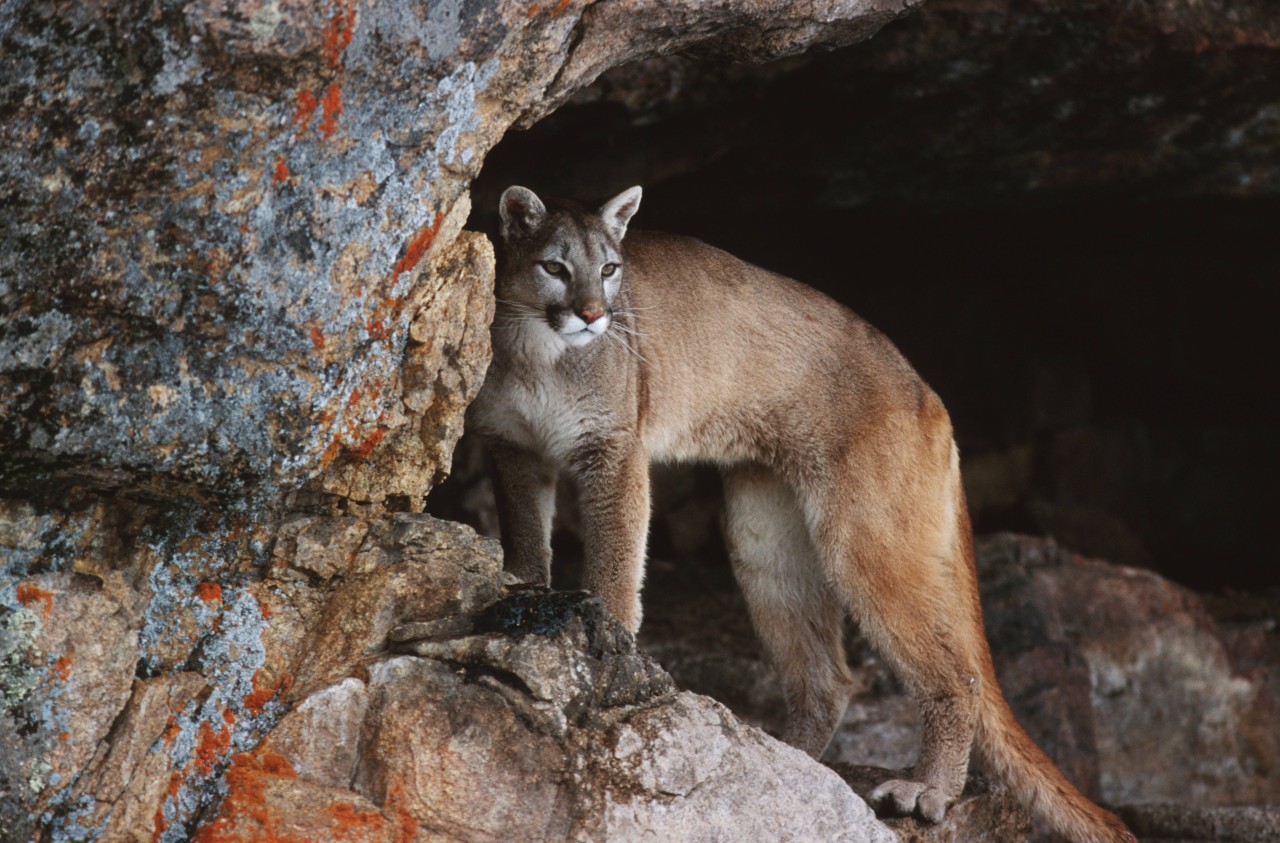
(577, 331)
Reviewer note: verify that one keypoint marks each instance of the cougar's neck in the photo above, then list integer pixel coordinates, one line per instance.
(523, 341)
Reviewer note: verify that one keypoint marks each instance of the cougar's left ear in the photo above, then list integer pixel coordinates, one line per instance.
(521, 211)
(617, 212)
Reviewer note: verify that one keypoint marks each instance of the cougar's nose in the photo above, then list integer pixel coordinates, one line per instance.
(591, 313)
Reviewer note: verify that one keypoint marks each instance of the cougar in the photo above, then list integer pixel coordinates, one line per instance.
(841, 476)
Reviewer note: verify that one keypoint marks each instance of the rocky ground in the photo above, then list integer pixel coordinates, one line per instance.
(1135, 688)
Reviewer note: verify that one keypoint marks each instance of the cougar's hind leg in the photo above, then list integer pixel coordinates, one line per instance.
(794, 611)
(911, 590)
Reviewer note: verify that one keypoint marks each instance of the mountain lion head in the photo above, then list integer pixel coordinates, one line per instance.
(561, 267)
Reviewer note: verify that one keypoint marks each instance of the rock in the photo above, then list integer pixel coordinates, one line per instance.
(1193, 824)
(409, 566)
(712, 31)
(1124, 678)
(216, 247)
(1174, 721)
(446, 354)
(459, 757)
(127, 788)
(67, 659)
(266, 800)
(320, 736)
(128, 693)
(690, 771)
(561, 730)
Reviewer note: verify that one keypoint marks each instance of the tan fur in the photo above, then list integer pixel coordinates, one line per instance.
(842, 480)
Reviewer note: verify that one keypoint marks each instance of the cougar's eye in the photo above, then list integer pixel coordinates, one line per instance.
(554, 268)
(608, 269)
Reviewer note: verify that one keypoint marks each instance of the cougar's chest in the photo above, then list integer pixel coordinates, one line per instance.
(538, 414)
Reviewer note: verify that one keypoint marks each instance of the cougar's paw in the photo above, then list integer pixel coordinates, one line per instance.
(902, 798)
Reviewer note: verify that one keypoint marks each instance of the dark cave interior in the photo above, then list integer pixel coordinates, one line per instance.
(1100, 336)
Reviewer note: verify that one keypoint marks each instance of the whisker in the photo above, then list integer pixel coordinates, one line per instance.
(628, 330)
(626, 345)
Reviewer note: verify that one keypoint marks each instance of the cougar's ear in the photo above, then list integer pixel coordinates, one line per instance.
(521, 211)
(617, 212)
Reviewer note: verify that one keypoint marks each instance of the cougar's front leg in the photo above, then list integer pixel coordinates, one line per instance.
(613, 496)
(525, 489)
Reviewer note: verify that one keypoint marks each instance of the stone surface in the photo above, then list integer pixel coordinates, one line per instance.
(66, 669)
(223, 221)
(561, 730)
(1192, 824)
(689, 771)
(1174, 720)
(1124, 678)
(445, 358)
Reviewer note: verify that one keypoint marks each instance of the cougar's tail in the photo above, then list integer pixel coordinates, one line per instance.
(1008, 753)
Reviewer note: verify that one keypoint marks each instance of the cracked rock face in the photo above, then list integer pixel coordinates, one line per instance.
(477, 729)
(223, 223)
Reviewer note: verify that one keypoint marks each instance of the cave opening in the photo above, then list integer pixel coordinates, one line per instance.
(1092, 318)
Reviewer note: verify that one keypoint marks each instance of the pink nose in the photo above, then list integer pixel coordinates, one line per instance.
(590, 316)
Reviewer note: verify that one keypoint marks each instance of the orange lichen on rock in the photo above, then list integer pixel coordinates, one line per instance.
(365, 448)
(161, 824)
(349, 822)
(417, 247)
(330, 453)
(307, 104)
(175, 785)
(28, 594)
(171, 730)
(209, 592)
(337, 35)
(258, 698)
(211, 746)
(244, 814)
(281, 172)
(332, 106)
(317, 337)
(62, 668)
(377, 326)
(406, 824)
